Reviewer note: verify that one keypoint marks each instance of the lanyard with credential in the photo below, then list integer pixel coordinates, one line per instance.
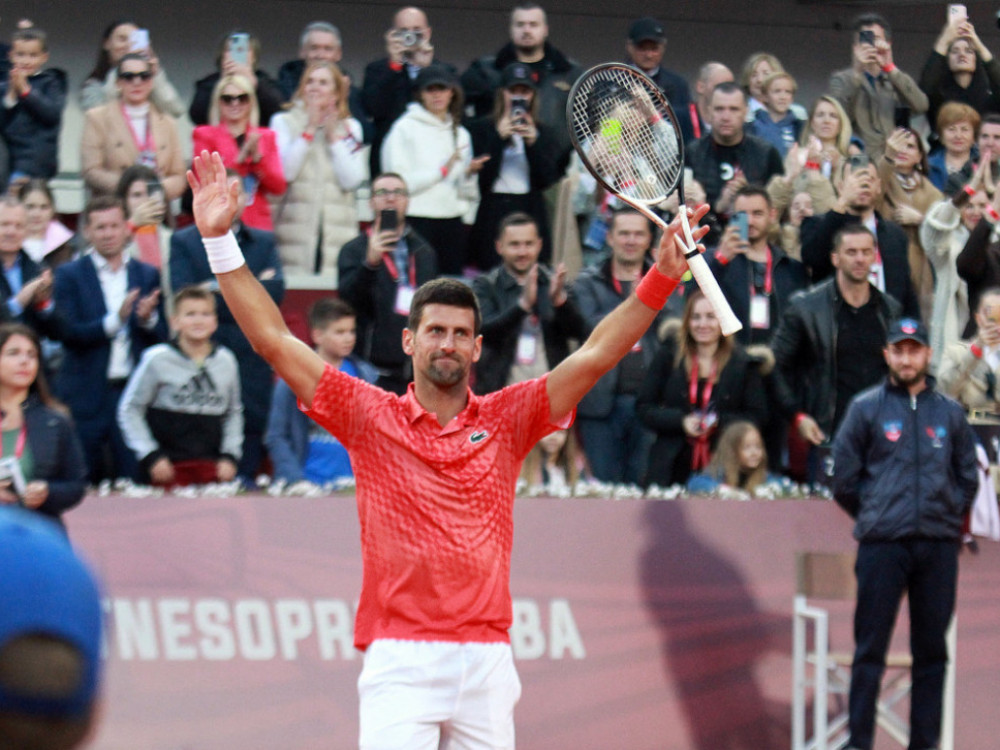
(144, 148)
(768, 276)
(700, 453)
(390, 266)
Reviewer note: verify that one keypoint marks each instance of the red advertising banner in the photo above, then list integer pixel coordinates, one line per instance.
(638, 624)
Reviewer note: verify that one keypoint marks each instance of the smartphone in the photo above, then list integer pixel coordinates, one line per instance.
(239, 49)
(388, 220)
(518, 109)
(858, 161)
(742, 225)
(155, 190)
(139, 41)
(866, 36)
(957, 12)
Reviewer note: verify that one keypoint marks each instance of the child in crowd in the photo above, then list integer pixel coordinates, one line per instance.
(554, 463)
(300, 449)
(31, 106)
(740, 462)
(181, 411)
(775, 122)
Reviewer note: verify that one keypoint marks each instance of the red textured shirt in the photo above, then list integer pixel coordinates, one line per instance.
(435, 504)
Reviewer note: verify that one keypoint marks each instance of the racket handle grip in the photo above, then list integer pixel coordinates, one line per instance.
(710, 287)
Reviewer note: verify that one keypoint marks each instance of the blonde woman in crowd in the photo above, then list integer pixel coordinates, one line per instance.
(324, 162)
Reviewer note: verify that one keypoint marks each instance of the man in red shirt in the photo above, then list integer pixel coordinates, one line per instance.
(436, 470)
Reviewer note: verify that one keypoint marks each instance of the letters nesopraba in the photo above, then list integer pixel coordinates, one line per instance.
(217, 629)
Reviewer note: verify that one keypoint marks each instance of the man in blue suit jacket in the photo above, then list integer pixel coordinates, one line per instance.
(111, 310)
(189, 266)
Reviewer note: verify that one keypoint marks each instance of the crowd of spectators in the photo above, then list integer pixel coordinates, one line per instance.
(830, 219)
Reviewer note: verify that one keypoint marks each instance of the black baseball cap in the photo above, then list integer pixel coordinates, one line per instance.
(908, 329)
(435, 74)
(517, 74)
(646, 29)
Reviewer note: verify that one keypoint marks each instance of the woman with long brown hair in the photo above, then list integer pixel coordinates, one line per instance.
(698, 383)
(41, 462)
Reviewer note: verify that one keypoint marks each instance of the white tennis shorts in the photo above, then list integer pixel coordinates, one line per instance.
(434, 695)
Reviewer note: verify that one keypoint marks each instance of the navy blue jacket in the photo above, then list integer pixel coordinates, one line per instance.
(189, 265)
(87, 348)
(57, 457)
(31, 126)
(905, 466)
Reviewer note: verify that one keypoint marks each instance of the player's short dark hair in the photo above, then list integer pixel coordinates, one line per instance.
(871, 19)
(32, 34)
(516, 219)
(193, 292)
(102, 203)
(328, 310)
(748, 191)
(849, 231)
(451, 292)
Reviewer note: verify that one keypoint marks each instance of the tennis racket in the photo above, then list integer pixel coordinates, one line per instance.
(627, 135)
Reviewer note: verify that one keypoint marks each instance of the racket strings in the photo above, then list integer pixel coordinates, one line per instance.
(627, 135)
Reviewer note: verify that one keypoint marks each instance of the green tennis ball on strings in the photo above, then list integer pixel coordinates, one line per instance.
(611, 131)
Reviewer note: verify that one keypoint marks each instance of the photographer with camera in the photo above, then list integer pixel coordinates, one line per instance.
(523, 162)
(390, 83)
(877, 95)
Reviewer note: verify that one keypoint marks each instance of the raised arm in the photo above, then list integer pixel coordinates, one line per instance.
(618, 332)
(215, 205)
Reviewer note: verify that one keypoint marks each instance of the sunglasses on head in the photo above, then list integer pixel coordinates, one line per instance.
(234, 98)
(129, 77)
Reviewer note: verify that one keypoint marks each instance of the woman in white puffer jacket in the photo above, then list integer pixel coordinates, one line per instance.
(324, 162)
(428, 147)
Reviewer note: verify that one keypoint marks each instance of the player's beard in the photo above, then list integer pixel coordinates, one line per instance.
(443, 377)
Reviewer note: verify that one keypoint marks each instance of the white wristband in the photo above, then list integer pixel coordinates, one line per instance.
(224, 254)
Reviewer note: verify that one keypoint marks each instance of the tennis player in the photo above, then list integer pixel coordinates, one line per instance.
(436, 471)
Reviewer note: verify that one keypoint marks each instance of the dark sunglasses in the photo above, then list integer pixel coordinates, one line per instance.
(234, 99)
(143, 76)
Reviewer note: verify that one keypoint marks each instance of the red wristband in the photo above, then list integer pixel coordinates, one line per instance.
(969, 190)
(992, 213)
(723, 260)
(812, 165)
(798, 419)
(654, 289)
(395, 66)
(977, 351)
(25, 93)
(889, 68)
(308, 137)
(444, 171)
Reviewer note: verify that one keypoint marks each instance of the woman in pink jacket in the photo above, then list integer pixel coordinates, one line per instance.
(251, 150)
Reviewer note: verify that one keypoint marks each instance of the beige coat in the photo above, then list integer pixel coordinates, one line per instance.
(320, 194)
(109, 149)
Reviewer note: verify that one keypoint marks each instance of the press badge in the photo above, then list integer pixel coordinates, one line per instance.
(760, 311)
(527, 348)
(404, 298)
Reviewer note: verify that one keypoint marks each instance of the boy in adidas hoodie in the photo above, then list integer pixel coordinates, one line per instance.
(181, 412)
